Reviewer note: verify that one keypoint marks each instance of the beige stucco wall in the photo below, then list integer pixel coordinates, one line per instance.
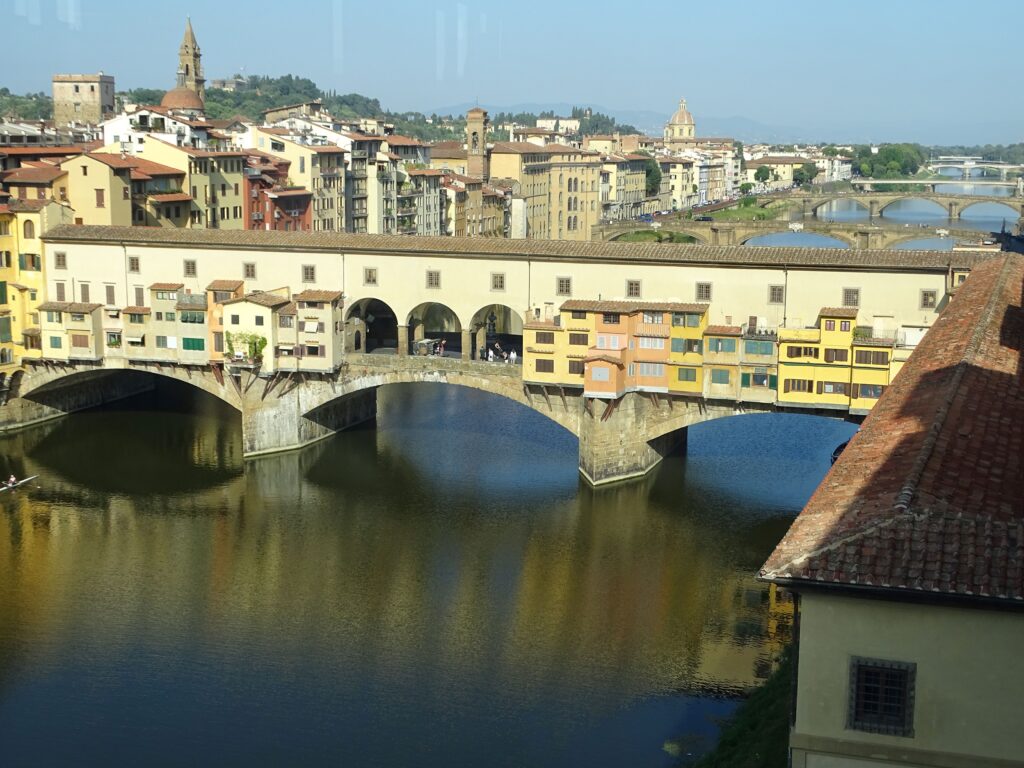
(968, 682)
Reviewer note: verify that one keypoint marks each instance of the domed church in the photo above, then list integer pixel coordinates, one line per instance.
(189, 94)
(680, 127)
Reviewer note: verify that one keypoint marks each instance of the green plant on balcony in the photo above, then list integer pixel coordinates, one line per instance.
(249, 344)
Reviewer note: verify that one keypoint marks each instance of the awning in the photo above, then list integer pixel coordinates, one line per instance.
(135, 339)
(310, 326)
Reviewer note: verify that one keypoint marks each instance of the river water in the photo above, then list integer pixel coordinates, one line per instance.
(437, 589)
(983, 217)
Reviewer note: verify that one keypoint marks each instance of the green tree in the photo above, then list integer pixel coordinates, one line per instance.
(762, 174)
(745, 187)
(805, 173)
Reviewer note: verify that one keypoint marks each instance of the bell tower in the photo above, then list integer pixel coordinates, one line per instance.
(190, 69)
(476, 143)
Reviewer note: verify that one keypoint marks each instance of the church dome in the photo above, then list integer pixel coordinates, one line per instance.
(682, 115)
(182, 98)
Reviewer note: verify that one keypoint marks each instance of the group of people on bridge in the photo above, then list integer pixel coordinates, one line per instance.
(495, 354)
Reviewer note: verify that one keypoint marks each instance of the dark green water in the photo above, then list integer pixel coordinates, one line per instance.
(441, 590)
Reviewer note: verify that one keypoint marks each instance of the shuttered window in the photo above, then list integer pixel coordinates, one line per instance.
(545, 366)
(545, 337)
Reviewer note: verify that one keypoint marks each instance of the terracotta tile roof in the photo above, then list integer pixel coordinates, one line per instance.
(171, 197)
(872, 342)
(926, 499)
(137, 311)
(314, 295)
(32, 175)
(518, 148)
(848, 312)
(397, 140)
(288, 309)
(224, 285)
(604, 358)
(723, 330)
(626, 307)
(31, 331)
(16, 204)
(883, 260)
(67, 306)
(64, 150)
(166, 286)
(291, 192)
(425, 172)
(262, 298)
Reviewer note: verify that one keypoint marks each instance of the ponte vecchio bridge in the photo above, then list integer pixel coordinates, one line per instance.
(459, 281)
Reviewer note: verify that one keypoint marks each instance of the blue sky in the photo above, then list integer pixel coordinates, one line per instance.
(867, 70)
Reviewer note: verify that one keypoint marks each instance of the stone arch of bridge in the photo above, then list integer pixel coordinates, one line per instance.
(821, 204)
(371, 324)
(1015, 207)
(39, 381)
(496, 323)
(700, 235)
(942, 205)
(565, 413)
(840, 237)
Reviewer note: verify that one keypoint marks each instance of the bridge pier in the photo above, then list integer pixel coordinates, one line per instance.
(467, 344)
(403, 340)
(872, 209)
(954, 211)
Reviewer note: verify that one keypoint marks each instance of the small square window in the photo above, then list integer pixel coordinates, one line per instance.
(234, 320)
(929, 299)
(60, 260)
(563, 286)
(881, 696)
(776, 294)
(433, 278)
(133, 264)
(703, 292)
(370, 276)
(851, 297)
(632, 289)
(497, 281)
(249, 271)
(308, 273)
(259, 319)
(190, 268)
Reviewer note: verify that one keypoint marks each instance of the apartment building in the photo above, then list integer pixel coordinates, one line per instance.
(420, 204)
(214, 181)
(683, 182)
(36, 180)
(623, 186)
(104, 188)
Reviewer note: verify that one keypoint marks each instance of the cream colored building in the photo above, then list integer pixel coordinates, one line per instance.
(82, 99)
(680, 129)
(683, 182)
(623, 186)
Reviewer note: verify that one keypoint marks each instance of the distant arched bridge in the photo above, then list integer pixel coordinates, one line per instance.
(875, 203)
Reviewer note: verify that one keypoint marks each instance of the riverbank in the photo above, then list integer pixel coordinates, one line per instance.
(757, 736)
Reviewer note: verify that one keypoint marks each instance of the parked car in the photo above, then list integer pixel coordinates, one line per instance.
(704, 217)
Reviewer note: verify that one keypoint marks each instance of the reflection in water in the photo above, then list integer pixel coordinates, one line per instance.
(440, 590)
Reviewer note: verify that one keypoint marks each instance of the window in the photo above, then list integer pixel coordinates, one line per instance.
(579, 339)
(776, 294)
(686, 320)
(308, 273)
(830, 325)
(60, 291)
(703, 292)
(881, 696)
(798, 385)
(80, 340)
(167, 295)
(868, 357)
(249, 271)
(259, 319)
(285, 321)
(159, 315)
(5, 329)
(234, 319)
(632, 289)
(497, 281)
(832, 387)
(652, 370)
(545, 337)
(759, 378)
(191, 316)
(693, 345)
(77, 317)
(140, 298)
(169, 316)
(687, 374)
(84, 290)
(600, 373)
(29, 230)
(433, 278)
(100, 198)
(868, 390)
(837, 355)
(577, 314)
(161, 342)
(576, 367)
(135, 318)
(111, 296)
(719, 376)
(851, 297)
(193, 345)
(758, 347)
(60, 260)
(652, 317)
(545, 366)
(610, 318)
(55, 342)
(125, 193)
(802, 352)
(716, 344)
(844, 326)
(646, 342)
(563, 286)
(133, 264)
(929, 299)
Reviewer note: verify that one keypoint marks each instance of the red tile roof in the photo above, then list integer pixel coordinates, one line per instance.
(850, 312)
(927, 497)
(631, 306)
(397, 140)
(166, 286)
(723, 330)
(67, 306)
(171, 197)
(224, 285)
(32, 175)
(313, 295)
(137, 310)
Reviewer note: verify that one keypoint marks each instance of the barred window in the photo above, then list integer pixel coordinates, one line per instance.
(563, 286)
(60, 260)
(632, 289)
(369, 276)
(929, 299)
(881, 696)
(249, 271)
(703, 292)
(776, 294)
(190, 267)
(433, 278)
(578, 315)
(133, 263)
(308, 273)
(497, 281)
(851, 297)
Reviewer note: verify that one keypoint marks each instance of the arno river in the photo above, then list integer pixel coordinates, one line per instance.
(439, 590)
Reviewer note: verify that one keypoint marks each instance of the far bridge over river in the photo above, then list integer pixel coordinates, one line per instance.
(875, 203)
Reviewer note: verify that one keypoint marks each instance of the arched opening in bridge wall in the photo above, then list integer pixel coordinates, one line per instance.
(911, 206)
(840, 209)
(431, 323)
(373, 324)
(992, 214)
(656, 236)
(796, 240)
(496, 328)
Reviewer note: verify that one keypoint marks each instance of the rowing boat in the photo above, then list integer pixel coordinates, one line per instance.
(6, 487)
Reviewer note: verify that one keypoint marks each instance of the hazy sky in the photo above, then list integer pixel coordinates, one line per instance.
(867, 69)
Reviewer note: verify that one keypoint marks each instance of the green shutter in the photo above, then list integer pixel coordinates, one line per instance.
(745, 380)
(773, 381)
(21, 261)
(3, 291)
(5, 329)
